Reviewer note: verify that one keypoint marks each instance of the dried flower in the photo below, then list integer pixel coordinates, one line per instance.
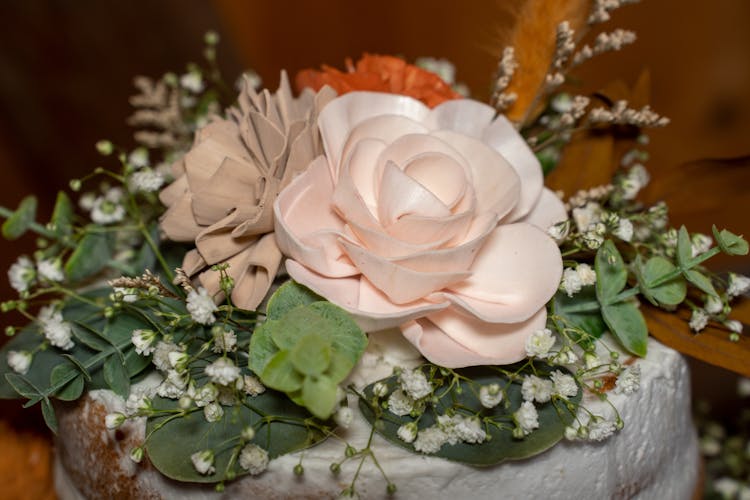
(253, 459)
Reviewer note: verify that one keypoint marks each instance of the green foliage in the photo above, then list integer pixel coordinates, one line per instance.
(730, 243)
(20, 221)
(305, 348)
(91, 255)
(461, 394)
(670, 293)
(62, 215)
(588, 320)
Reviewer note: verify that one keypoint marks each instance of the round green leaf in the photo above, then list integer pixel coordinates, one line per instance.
(17, 224)
(626, 322)
(670, 293)
(319, 396)
(280, 374)
(289, 295)
(730, 243)
(311, 355)
(611, 273)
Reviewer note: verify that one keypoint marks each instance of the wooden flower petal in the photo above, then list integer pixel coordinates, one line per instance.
(400, 195)
(465, 116)
(549, 210)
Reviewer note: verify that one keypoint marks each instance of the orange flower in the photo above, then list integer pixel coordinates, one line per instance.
(381, 74)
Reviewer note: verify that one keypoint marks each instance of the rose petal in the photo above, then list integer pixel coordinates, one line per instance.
(464, 116)
(358, 176)
(516, 272)
(401, 195)
(549, 210)
(178, 222)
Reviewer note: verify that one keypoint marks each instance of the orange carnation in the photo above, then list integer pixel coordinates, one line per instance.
(381, 74)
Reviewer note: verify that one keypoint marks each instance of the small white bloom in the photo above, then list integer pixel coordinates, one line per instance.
(380, 389)
(743, 389)
(415, 383)
(223, 371)
(560, 230)
(21, 274)
(344, 417)
(629, 381)
(536, 389)
(225, 339)
(144, 341)
(490, 395)
(571, 433)
(539, 343)
(710, 446)
(50, 270)
(600, 429)
(698, 320)
(138, 158)
(527, 417)
(571, 282)
(624, 230)
(587, 216)
(86, 201)
(713, 305)
(136, 454)
(146, 180)
(591, 360)
(178, 360)
(248, 433)
(205, 395)
(139, 400)
(213, 412)
(727, 487)
(565, 385)
(253, 459)
(430, 440)
(639, 173)
(203, 461)
(586, 274)
(201, 307)
(469, 430)
(399, 403)
(58, 332)
(738, 285)
(19, 361)
(192, 81)
(701, 243)
(173, 387)
(114, 420)
(407, 432)
(252, 385)
(733, 325)
(105, 211)
(127, 295)
(161, 354)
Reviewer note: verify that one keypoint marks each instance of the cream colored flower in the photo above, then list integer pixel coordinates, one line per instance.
(225, 186)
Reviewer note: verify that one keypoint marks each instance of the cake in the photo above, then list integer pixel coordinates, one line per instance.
(654, 457)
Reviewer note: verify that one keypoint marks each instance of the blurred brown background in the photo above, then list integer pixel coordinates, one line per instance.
(66, 69)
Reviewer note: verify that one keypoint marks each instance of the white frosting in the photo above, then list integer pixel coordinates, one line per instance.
(654, 457)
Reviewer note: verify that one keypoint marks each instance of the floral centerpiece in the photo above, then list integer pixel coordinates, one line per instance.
(227, 279)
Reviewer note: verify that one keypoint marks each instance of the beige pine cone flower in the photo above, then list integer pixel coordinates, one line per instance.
(224, 189)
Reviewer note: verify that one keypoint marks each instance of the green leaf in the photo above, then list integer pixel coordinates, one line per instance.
(701, 281)
(684, 248)
(135, 363)
(280, 374)
(730, 243)
(18, 223)
(611, 273)
(262, 347)
(146, 258)
(116, 376)
(48, 412)
(672, 292)
(626, 323)
(90, 256)
(590, 322)
(311, 355)
(553, 416)
(70, 379)
(297, 323)
(90, 337)
(62, 215)
(289, 295)
(22, 385)
(169, 451)
(319, 396)
(340, 367)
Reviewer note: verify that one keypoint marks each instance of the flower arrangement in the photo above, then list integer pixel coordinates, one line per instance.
(228, 278)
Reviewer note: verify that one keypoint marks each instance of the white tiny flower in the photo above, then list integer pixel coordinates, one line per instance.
(586, 274)
(743, 388)
(560, 230)
(591, 360)
(192, 81)
(738, 285)
(138, 158)
(698, 320)
(248, 433)
(380, 389)
(701, 243)
(571, 433)
(173, 387)
(447, 424)
(415, 383)
(213, 412)
(138, 400)
(106, 211)
(527, 417)
(469, 430)
(22, 274)
(430, 440)
(639, 173)
(490, 395)
(536, 389)
(630, 188)
(399, 403)
(161, 354)
(629, 381)
(201, 307)
(407, 432)
(624, 230)
(252, 385)
(571, 282)
(710, 446)
(539, 343)
(144, 341)
(86, 201)
(253, 459)
(146, 180)
(344, 417)
(565, 385)
(733, 325)
(58, 332)
(50, 270)
(178, 360)
(223, 371)
(203, 461)
(114, 420)
(19, 361)
(600, 429)
(727, 487)
(127, 295)
(205, 395)
(587, 216)
(225, 339)
(136, 454)
(713, 305)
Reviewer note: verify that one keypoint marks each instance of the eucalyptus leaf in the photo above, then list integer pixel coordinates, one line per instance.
(553, 416)
(672, 292)
(85, 334)
(280, 374)
(20, 221)
(289, 295)
(701, 281)
(319, 395)
(22, 385)
(116, 376)
(169, 451)
(48, 412)
(90, 256)
(730, 243)
(135, 363)
(611, 273)
(262, 347)
(311, 355)
(626, 323)
(684, 248)
(62, 215)
(340, 367)
(590, 322)
(70, 379)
